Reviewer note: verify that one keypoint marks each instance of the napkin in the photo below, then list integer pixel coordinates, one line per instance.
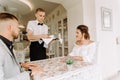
(48, 40)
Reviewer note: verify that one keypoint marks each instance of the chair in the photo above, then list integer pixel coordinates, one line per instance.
(22, 51)
(51, 50)
(19, 51)
(95, 60)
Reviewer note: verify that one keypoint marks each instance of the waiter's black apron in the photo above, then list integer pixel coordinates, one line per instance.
(37, 51)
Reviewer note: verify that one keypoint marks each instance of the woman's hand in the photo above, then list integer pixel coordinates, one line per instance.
(78, 58)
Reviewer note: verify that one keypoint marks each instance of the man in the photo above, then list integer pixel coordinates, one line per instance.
(9, 67)
(37, 30)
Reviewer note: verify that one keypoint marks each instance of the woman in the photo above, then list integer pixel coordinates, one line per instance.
(84, 48)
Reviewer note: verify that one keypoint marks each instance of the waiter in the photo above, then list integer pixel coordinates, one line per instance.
(37, 30)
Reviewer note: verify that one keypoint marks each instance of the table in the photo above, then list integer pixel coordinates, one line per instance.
(56, 69)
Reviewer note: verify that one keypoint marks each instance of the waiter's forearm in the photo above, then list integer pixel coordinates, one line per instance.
(34, 37)
(37, 37)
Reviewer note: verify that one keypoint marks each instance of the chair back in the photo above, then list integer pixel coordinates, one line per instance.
(95, 60)
(51, 50)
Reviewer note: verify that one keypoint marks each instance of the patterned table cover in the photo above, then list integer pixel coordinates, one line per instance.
(56, 69)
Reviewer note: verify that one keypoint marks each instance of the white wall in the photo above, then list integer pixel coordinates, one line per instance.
(89, 17)
(108, 56)
(75, 18)
(118, 35)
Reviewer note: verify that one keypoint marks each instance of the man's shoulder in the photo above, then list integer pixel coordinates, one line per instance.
(2, 48)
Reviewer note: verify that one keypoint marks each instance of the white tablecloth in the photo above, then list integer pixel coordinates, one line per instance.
(55, 69)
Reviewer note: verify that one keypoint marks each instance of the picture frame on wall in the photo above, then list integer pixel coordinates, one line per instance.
(106, 19)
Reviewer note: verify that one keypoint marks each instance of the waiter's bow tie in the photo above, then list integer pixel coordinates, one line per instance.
(40, 24)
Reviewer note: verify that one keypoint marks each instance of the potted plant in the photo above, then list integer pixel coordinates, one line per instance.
(69, 63)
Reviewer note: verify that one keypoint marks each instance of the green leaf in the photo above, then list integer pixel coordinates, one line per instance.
(69, 61)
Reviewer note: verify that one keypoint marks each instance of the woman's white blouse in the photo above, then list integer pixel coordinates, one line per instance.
(88, 52)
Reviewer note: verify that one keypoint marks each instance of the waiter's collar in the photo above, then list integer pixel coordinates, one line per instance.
(38, 21)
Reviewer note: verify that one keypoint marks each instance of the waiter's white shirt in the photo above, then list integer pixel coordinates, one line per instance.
(37, 29)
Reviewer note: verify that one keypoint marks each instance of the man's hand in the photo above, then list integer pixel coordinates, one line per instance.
(36, 70)
(28, 65)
